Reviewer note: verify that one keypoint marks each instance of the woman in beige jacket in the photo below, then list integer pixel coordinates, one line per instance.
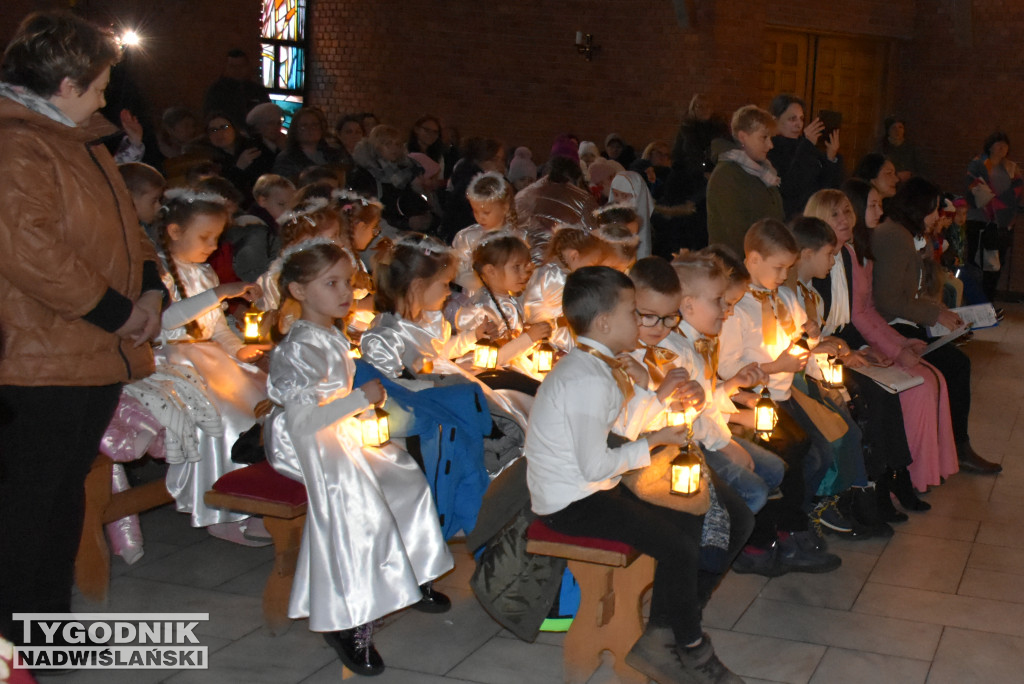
(80, 296)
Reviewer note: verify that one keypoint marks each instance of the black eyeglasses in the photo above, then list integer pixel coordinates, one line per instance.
(649, 320)
(216, 129)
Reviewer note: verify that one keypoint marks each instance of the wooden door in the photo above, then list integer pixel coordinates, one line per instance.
(841, 73)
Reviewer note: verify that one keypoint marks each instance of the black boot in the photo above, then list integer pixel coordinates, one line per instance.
(903, 488)
(864, 505)
(970, 461)
(356, 651)
(886, 511)
(433, 601)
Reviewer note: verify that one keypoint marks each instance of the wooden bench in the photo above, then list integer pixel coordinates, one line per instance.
(260, 490)
(92, 563)
(613, 578)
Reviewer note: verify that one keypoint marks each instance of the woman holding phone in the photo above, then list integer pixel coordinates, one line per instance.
(803, 168)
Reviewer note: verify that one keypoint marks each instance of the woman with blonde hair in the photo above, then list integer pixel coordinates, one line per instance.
(849, 312)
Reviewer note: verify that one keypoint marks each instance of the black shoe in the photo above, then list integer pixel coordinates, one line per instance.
(886, 511)
(863, 504)
(764, 562)
(903, 488)
(972, 462)
(799, 552)
(356, 651)
(433, 601)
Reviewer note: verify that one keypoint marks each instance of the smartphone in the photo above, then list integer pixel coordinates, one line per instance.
(832, 120)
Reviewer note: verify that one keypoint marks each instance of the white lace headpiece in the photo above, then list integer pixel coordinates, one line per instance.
(347, 199)
(189, 195)
(501, 191)
(303, 212)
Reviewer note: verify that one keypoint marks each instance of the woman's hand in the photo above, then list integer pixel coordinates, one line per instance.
(949, 319)
(374, 392)
(813, 131)
(832, 145)
(247, 157)
(248, 291)
(908, 358)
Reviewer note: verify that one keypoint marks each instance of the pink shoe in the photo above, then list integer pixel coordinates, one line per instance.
(235, 533)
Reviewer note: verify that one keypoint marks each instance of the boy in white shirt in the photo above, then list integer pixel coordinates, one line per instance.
(762, 329)
(574, 475)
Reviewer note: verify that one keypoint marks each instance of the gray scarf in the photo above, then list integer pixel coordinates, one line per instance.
(34, 102)
(765, 171)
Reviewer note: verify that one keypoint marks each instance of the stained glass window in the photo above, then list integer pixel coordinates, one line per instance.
(283, 53)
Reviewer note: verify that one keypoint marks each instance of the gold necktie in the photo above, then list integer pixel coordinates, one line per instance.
(656, 358)
(774, 313)
(619, 373)
(708, 349)
(811, 301)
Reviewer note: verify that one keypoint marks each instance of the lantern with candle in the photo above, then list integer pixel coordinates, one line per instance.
(373, 423)
(832, 371)
(765, 415)
(486, 354)
(251, 324)
(686, 471)
(544, 357)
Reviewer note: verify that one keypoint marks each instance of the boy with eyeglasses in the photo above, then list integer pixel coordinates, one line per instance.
(669, 340)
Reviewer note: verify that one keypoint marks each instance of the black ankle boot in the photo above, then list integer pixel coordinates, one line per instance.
(886, 511)
(864, 506)
(903, 488)
(356, 651)
(433, 601)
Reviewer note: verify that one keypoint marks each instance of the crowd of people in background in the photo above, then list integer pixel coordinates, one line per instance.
(734, 265)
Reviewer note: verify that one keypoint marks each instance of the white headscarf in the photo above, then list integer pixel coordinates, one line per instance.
(630, 182)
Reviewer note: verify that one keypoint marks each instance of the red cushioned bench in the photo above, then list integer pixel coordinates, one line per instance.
(261, 490)
(613, 577)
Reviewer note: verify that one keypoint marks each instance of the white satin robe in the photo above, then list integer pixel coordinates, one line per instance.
(372, 535)
(234, 388)
(542, 302)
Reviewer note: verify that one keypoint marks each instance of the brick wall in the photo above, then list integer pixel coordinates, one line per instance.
(511, 69)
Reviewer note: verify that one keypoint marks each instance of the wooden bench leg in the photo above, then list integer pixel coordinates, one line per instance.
(287, 536)
(609, 618)
(92, 563)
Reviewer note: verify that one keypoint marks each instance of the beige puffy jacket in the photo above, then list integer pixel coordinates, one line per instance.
(68, 231)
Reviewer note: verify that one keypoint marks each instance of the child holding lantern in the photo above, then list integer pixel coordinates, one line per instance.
(372, 543)
(574, 475)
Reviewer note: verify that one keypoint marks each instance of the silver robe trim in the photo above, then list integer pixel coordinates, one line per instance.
(542, 302)
(372, 535)
(233, 387)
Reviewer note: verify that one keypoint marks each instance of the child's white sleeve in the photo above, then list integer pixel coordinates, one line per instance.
(308, 418)
(189, 309)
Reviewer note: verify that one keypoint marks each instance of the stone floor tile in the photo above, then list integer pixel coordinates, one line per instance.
(206, 564)
(231, 616)
(997, 559)
(999, 586)
(933, 524)
(840, 628)
(842, 666)
(510, 661)
(436, 643)
(765, 657)
(969, 656)
(922, 563)
(837, 589)
(733, 596)
(939, 608)
(1001, 534)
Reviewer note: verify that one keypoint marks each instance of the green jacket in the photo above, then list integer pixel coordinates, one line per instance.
(735, 201)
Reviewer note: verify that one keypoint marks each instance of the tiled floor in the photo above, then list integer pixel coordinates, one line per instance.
(942, 601)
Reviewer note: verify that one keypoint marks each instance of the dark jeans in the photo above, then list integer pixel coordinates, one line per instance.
(955, 366)
(672, 538)
(49, 438)
(789, 442)
(819, 452)
(999, 240)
